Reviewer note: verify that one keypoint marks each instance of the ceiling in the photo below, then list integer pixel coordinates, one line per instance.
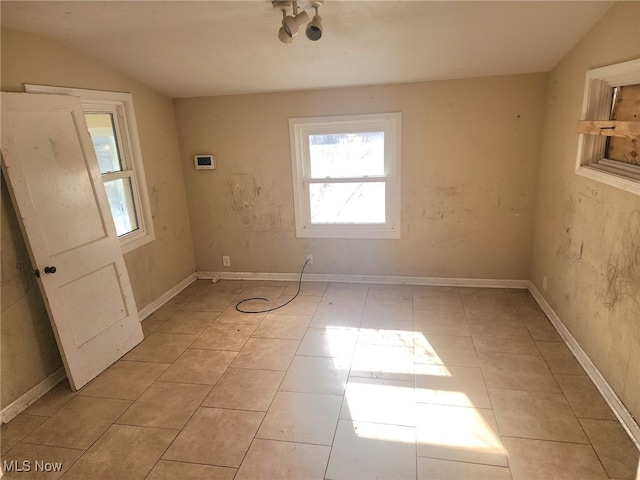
(187, 49)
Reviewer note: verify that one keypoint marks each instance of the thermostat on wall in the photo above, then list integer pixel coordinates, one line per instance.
(204, 161)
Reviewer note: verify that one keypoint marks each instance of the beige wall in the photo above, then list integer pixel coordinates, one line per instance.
(470, 151)
(28, 350)
(587, 240)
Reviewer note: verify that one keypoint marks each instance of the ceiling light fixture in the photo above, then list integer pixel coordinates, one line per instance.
(291, 23)
(283, 36)
(314, 28)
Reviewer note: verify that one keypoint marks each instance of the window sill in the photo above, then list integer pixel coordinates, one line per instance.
(133, 241)
(610, 176)
(365, 231)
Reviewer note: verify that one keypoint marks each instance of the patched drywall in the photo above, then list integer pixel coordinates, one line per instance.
(587, 239)
(470, 151)
(27, 339)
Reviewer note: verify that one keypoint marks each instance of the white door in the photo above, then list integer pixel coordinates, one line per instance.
(54, 180)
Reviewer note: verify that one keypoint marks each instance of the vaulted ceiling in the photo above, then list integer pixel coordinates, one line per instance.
(187, 48)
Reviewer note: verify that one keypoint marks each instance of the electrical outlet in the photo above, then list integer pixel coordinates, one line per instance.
(310, 258)
(544, 283)
(226, 261)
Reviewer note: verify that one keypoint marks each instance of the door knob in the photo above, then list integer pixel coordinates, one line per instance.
(49, 269)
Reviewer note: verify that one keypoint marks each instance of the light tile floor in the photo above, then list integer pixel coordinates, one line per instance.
(349, 381)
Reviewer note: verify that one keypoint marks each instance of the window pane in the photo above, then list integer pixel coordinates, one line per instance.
(104, 141)
(341, 155)
(347, 202)
(123, 209)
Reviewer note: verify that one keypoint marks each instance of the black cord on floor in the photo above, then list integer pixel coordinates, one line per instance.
(266, 300)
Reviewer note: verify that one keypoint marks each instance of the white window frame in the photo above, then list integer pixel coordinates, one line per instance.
(299, 131)
(120, 105)
(591, 161)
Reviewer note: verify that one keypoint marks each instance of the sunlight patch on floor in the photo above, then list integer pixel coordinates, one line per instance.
(448, 425)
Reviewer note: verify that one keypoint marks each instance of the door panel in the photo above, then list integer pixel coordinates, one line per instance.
(103, 310)
(56, 186)
(57, 171)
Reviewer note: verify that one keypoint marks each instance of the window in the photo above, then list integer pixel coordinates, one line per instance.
(112, 127)
(346, 176)
(611, 99)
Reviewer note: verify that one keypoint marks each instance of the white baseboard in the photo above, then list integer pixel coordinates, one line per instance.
(14, 408)
(166, 296)
(618, 408)
(395, 280)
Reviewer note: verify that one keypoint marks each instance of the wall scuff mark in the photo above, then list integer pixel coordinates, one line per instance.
(623, 273)
(243, 191)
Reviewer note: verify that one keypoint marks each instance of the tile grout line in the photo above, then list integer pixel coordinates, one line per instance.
(344, 393)
(274, 395)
